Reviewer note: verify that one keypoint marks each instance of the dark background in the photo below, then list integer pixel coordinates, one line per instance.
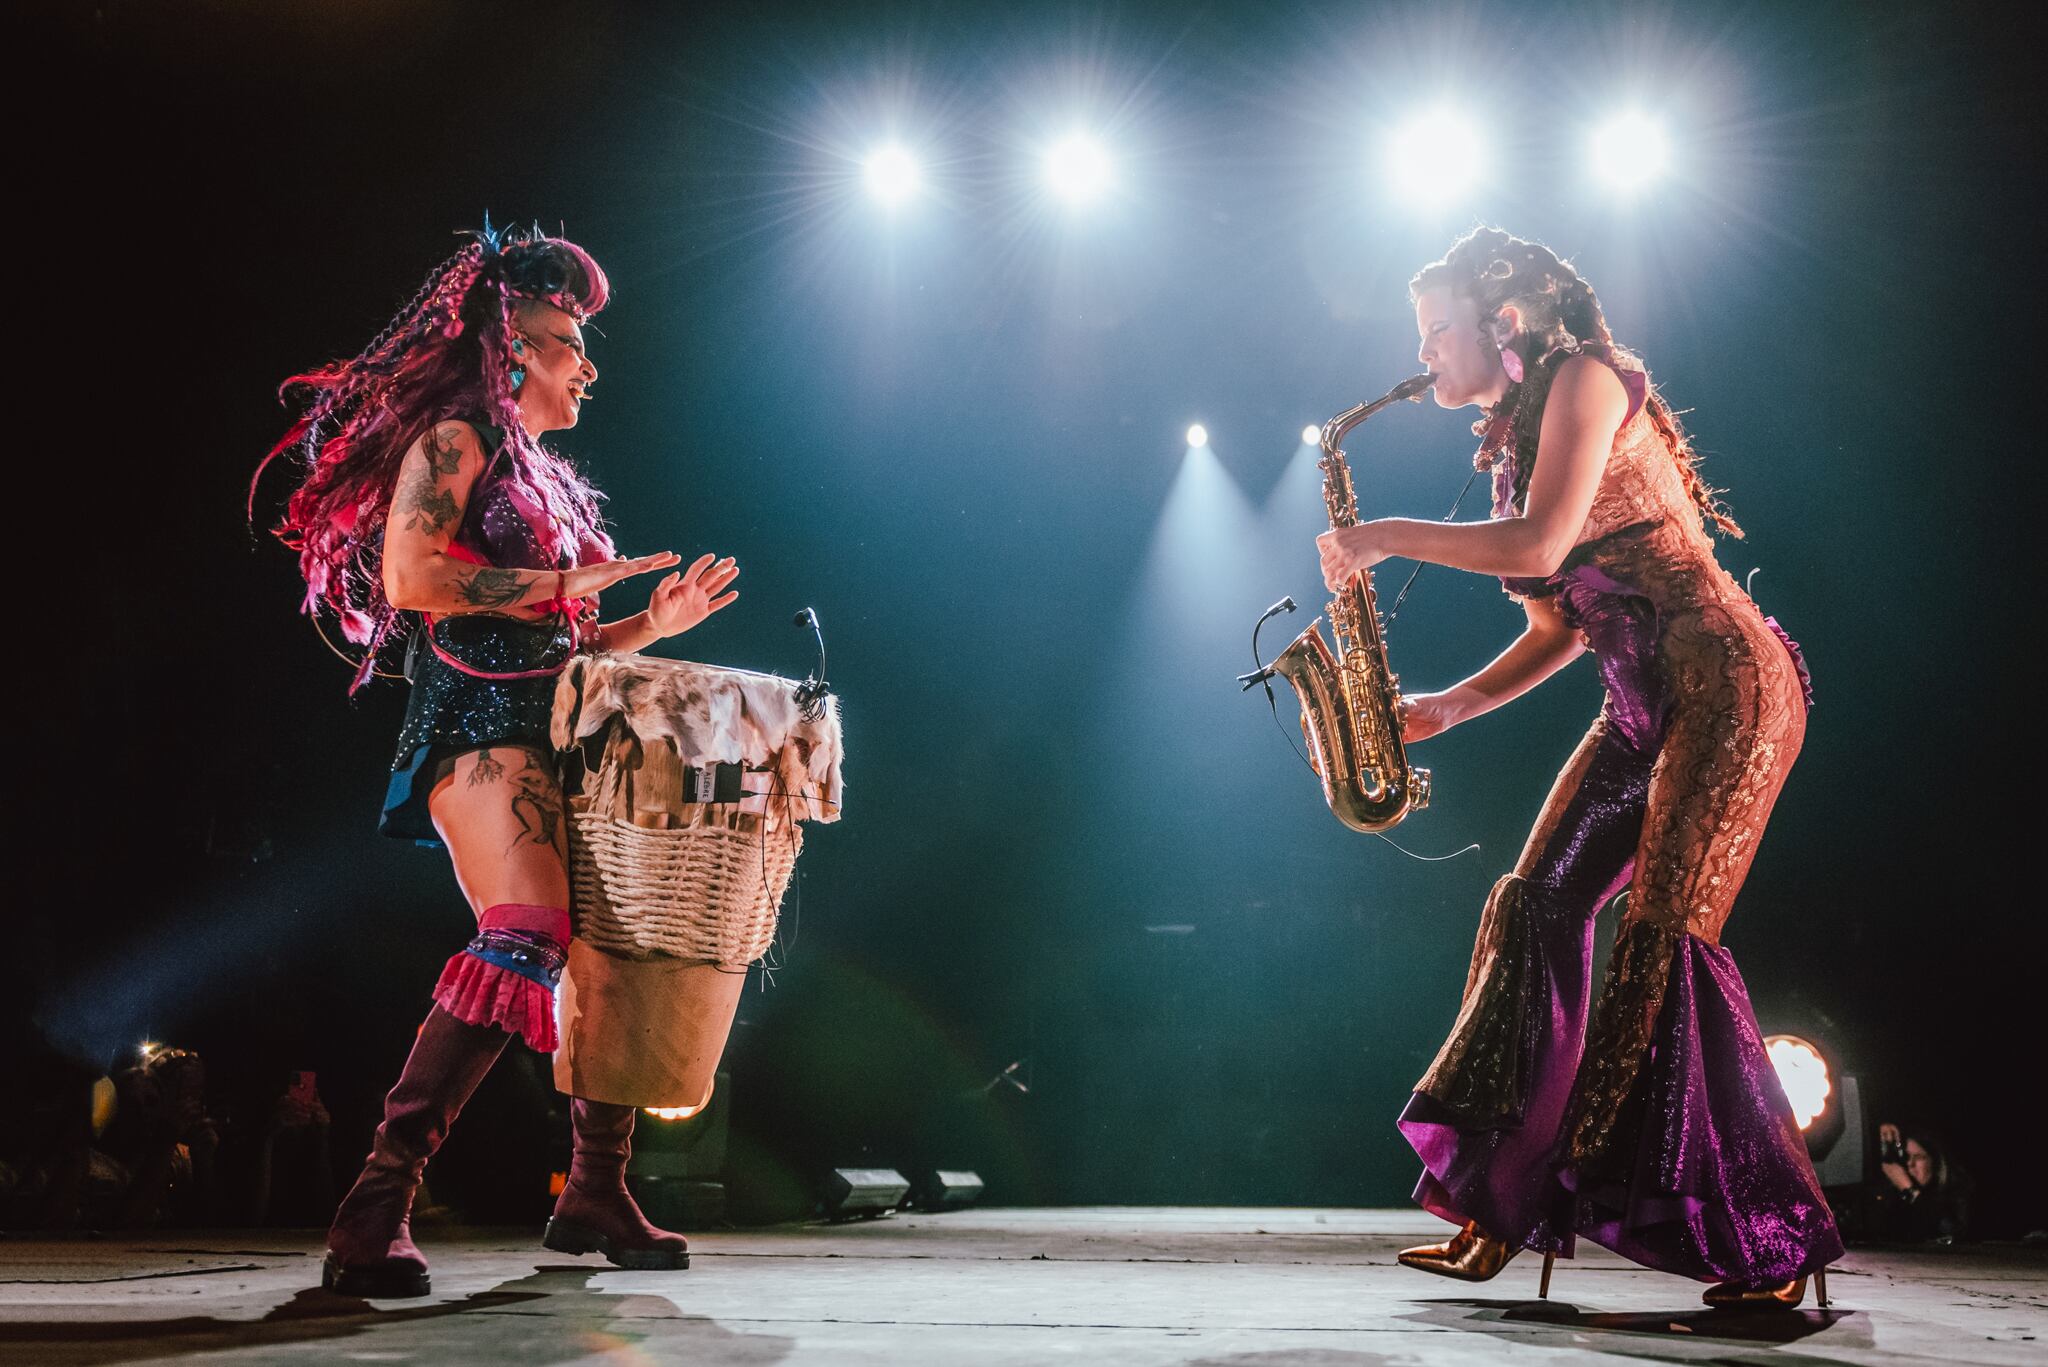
(956, 432)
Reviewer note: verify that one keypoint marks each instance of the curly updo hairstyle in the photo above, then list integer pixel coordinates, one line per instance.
(1560, 315)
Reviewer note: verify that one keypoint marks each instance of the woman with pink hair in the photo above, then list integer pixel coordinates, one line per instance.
(429, 503)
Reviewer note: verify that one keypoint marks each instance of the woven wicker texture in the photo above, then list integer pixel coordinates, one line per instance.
(699, 892)
(652, 876)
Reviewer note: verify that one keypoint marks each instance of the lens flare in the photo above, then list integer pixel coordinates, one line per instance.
(1630, 150)
(1077, 169)
(891, 174)
(1804, 1075)
(1434, 159)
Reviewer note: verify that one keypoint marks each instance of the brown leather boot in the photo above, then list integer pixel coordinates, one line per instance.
(370, 1251)
(595, 1212)
(1472, 1255)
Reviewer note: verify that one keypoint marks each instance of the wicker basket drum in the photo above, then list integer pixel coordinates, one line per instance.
(673, 899)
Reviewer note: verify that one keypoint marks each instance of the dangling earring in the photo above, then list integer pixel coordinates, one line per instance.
(1511, 362)
(518, 376)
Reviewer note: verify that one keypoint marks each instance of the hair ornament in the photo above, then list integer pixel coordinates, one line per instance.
(1500, 268)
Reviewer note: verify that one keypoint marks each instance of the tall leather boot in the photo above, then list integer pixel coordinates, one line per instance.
(596, 1213)
(370, 1251)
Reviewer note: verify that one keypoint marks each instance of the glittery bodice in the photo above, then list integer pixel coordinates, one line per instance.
(1643, 534)
(504, 523)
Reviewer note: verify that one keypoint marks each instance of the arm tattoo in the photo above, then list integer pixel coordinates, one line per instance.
(443, 452)
(487, 587)
(427, 506)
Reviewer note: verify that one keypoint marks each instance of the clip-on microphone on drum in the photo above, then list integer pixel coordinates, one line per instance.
(810, 694)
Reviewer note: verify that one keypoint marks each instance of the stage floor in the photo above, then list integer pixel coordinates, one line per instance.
(1113, 1285)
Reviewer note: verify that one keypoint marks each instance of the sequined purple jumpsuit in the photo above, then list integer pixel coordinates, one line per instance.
(1665, 1135)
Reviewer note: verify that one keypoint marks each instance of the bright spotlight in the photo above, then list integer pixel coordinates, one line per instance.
(1629, 150)
(1435, 158)
(1077, 169)
(1198, 435)
(1311, 435)
(891, 174)
(1804, 1075)
(672, 1112)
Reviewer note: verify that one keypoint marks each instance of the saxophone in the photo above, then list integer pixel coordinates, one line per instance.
(1351, 701)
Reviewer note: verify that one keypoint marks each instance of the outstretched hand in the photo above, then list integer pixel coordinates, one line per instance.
(687, 597)
(587, 581)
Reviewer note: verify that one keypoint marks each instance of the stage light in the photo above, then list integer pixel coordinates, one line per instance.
(1804, 1075)
(148, 1048)
(671, 1112)
(1077, 169)
(1435, 158)
(1630, 150)
(891, 174)
(863, 1193)
(1311, 435)
(1198, 436)
(946, 1189)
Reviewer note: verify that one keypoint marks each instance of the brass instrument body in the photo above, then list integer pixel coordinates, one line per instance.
(1350, 698)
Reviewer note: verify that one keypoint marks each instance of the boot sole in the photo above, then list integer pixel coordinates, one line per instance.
(375, 1283)
(564, 1236)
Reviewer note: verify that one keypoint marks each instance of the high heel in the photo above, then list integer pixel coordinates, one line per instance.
(1741, 1296)
(1472, 1255)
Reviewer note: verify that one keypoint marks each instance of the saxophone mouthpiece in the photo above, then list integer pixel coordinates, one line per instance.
(1417, 386)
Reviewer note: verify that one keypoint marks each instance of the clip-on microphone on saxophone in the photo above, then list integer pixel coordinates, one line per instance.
(1264, 672)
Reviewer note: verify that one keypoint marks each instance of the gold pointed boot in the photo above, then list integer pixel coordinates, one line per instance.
(1736, 1296)
(1472, 1255)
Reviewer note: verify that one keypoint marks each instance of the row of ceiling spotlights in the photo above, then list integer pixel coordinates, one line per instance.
(1198, 435)
(1431, 160)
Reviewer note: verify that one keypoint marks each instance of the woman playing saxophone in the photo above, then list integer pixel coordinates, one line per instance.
(1663, 1135)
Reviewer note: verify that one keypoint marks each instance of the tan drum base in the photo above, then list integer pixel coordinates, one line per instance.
(642, 1032)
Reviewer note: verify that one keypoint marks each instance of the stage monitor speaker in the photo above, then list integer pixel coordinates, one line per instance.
(863, 1193)
(945, 1189)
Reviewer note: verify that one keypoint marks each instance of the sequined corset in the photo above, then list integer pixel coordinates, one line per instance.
(1644, 534)
(501, 524)
(1642, 557)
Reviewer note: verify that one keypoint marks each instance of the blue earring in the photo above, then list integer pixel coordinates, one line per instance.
(518, 376)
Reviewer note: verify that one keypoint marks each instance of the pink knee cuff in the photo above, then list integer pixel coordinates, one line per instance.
(507, 975)
(552, 922)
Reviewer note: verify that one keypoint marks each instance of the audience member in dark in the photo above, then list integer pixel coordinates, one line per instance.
(293, 1181)
(1919, 1194)
(154, 1163)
